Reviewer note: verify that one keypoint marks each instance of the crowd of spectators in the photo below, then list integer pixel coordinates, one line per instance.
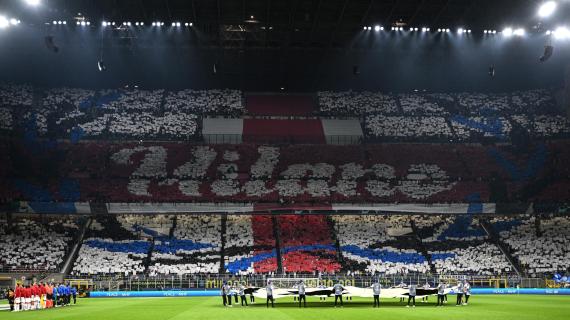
(131, 113)
(313, 244)
(540, 248)
(128, 113)
(449, 117)
(30, 244)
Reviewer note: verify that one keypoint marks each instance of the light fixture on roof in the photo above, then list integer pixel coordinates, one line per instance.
(507, 32)
(4, 23)
(547, 9)
(561, 33)
(519, 32)
(33, 2)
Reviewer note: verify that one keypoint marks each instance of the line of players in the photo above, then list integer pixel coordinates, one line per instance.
(41, 296)
(463, 291)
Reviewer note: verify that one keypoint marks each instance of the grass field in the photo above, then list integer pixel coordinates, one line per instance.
(480, 307)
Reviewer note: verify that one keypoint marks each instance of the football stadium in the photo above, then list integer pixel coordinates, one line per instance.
(284, 159)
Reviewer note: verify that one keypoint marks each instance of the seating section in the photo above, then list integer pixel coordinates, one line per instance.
(131, 113)
(194, 248)
(459, 117)
(110, 249)
(35, 244)
(280, 105)
(172, 172)
(458, 245)
(239, 246)
(306, 244)
(127, 113)
(119, 245)
(540, 250)
(378, 244)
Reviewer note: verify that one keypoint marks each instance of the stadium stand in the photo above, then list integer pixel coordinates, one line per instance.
(541, 250)
(280, 105)
(35, 244)
(76, 113)
(194, 248)
(110, 249)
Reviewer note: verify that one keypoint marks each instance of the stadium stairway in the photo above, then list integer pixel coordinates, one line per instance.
(499, 243)
(72, 254)
(422, 248)
(171, 231)
(277, 244)
(224, 227)
(148, 259)
(334, 236)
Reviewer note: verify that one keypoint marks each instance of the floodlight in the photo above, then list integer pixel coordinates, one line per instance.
(547, 9)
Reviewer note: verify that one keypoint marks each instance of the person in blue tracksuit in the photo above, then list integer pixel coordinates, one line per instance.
(68, 294)
(55, 296)
(74, 294)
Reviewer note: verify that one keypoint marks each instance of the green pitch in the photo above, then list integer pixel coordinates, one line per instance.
(480, 308)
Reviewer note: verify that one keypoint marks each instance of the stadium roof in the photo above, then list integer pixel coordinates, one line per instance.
(289, 23)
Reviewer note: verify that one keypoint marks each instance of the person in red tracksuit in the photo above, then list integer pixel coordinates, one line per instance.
(35, 292)
(28, 297)
(18, 297)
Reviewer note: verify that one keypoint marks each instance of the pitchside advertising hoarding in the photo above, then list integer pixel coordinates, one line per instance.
(213, 293)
